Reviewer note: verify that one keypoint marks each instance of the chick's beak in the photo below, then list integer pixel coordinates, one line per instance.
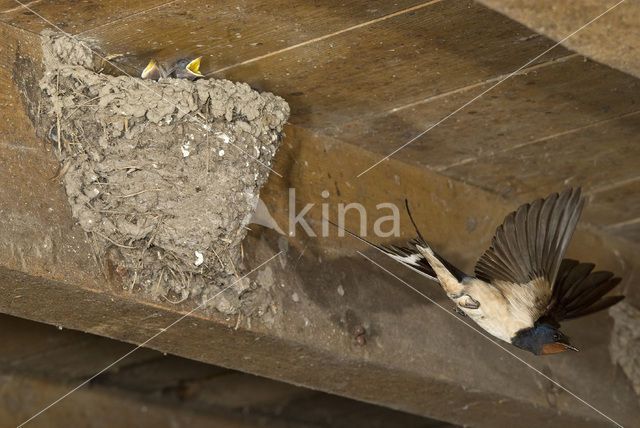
(151, 71)
(194, 66)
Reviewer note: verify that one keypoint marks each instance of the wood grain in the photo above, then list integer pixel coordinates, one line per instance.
(70, 16)
(228, 32)
(560, 98)
(612, 39)
(410, 57)
(594, 156)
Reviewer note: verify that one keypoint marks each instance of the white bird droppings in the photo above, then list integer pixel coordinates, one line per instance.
(199, 258)
(224, 137)
(185, 149)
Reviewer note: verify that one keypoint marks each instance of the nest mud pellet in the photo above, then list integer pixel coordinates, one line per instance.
(164, 176)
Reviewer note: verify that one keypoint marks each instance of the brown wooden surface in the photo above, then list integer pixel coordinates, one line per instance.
(612, 39)
(151, 388)
(72, 17)
(371, 70)
(559, 99)
(230, 32)
(360, 84)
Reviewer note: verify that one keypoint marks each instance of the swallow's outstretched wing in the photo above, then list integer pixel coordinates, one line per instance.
(578, 292)
(527, 249)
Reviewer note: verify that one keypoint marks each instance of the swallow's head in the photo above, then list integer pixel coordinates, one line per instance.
(187, 69)
(542, 339)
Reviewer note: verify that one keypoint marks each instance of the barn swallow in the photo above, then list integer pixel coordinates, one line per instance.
(186, 69)
(522, 288)
(181, 69)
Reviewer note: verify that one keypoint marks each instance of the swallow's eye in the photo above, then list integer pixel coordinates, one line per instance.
(556, 336)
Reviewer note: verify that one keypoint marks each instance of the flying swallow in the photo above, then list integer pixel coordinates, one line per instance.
(522, 288)
(181, 69)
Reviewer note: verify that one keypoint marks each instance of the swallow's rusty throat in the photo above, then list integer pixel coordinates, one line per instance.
(522, 288)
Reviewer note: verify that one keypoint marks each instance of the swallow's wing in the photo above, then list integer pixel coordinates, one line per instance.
(578, 292)
(528, 247)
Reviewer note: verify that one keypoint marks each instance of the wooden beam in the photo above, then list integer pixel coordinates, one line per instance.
(39, 363)
(72, 17)
(612, 39)
(372, 70)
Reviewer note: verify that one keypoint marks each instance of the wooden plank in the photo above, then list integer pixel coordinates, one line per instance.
(595, 156)
(164, 374)
(71, 16)
(371, 70)
(29, 163)
(186, 388)
(560, 99)
(229, 32)
(612, 39)
(628, 230)
(51, 351)
(315, 363)
(102, 408)
(618, 204)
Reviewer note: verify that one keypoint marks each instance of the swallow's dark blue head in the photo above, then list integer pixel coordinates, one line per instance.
(542, 339)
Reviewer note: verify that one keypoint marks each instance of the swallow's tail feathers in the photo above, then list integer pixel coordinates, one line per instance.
(578, 291)
(421, 243)
(409, 257)
(420, 239)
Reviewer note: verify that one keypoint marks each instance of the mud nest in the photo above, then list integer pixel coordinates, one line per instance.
(164, 176)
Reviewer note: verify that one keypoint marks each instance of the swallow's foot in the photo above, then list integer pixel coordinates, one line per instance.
(459, 311)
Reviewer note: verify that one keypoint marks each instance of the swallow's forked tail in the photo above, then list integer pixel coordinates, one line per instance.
(409, 257)
(420, 242)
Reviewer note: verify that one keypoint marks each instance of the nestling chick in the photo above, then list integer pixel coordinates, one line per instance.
(181, 69)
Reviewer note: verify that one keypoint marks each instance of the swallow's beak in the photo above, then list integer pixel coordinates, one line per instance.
(151, 71)
(194, 67)
(557, 347)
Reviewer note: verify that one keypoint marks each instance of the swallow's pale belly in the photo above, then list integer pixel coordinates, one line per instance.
(495, 314)
(499, 315)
